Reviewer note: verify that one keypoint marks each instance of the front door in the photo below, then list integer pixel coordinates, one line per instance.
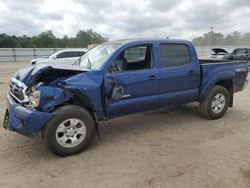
(131, 83)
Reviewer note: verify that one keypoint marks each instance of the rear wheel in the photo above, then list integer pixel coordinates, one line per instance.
(70, 131)
(216, 104)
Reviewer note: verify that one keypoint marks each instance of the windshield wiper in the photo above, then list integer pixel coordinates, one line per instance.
(77, 62)
(89, 64)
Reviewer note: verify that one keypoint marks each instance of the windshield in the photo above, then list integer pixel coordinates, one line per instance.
(95, 58)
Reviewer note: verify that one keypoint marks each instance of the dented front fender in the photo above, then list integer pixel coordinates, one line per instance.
(51, 97)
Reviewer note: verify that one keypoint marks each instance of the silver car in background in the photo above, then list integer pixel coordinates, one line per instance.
(219, 54)
(67, 56)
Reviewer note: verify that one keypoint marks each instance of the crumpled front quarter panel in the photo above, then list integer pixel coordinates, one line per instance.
(52, 97)
(88, 85)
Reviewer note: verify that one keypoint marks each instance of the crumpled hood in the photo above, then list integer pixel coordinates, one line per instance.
(46, 73)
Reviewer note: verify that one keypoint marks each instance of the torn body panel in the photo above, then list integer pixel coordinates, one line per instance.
(57, 86)
(46, 74)
(88, 88)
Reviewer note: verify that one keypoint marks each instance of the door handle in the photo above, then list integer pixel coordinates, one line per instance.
(190, 73)
(153, 77)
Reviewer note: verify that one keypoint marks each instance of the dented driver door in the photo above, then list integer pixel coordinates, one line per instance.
(130, 92)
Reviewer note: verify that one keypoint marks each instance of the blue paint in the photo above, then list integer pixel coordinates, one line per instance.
(25, 121)
(173, 86)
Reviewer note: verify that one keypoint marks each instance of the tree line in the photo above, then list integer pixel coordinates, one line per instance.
(216, 39)
(48, 40)
(85, 38)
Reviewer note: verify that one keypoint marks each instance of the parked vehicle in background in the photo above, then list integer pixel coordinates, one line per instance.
(68, 56)
(240, 54)
(237, 54)
(113, 79)
(219, 54)
(33, 61)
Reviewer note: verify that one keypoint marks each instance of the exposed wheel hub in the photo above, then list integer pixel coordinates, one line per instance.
(70, 132)
(218, 103)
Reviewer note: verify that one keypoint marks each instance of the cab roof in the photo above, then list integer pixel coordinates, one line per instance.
(138, 40)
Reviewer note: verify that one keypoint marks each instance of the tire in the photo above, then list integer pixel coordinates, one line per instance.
(214, 107)
(70, 131)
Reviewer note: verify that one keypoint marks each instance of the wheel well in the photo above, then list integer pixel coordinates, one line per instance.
(85, 103)
(82, 102)
(228, 84)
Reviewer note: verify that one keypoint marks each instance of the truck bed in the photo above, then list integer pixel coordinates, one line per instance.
(213, 70)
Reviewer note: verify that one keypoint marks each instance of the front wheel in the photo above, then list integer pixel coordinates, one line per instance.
(216, 104)
(70, 131)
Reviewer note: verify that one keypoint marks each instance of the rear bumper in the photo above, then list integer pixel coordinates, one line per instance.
(22, 120)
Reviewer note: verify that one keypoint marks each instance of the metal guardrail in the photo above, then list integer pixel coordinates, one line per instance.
(24, 54)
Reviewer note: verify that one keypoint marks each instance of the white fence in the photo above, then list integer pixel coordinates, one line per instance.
(26, 54)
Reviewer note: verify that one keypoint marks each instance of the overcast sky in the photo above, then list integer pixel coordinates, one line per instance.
(125, 18)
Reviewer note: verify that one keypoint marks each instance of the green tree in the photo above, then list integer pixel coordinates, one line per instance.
(83, 38)
(245, 39)
(209, 39)
(48, 40)
(7, 41)
(215, 39)
(24, 41)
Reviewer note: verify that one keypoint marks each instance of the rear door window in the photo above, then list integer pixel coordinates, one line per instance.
(174, 55)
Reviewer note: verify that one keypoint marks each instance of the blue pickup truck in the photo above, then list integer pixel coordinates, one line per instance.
(65, 103)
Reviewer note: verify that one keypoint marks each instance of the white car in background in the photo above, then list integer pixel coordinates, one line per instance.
(219, 54)
(68, 56)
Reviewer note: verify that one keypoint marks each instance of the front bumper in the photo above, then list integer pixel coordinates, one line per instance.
(22, 120)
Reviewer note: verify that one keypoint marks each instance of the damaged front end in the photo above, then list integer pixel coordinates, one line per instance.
(34, 93)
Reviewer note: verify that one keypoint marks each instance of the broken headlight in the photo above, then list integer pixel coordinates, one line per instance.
(34, 99)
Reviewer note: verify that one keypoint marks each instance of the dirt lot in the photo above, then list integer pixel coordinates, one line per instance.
(165, 148)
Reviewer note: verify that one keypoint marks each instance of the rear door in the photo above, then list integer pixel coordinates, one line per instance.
(179, 74)
(131, 82)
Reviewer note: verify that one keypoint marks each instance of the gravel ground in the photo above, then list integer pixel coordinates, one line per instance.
(164, 148)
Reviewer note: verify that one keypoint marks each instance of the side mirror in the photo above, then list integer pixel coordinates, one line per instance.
(114, 68)
(111, 69)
